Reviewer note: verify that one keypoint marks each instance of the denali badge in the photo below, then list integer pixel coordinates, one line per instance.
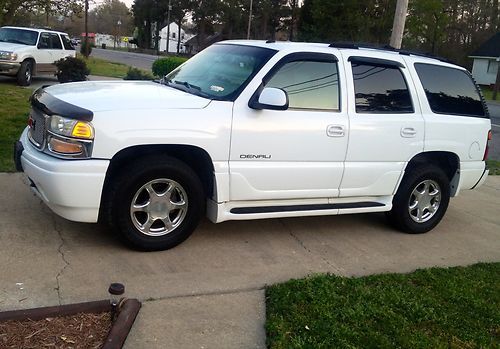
(253, 156)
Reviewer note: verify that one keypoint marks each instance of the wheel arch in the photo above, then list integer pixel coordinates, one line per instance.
(195, 157)
(33, 60)
(449, 162)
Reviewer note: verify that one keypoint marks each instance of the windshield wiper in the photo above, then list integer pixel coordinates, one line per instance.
(188, 85)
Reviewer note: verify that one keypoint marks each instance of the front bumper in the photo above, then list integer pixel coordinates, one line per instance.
(9, 68)
(71, 188)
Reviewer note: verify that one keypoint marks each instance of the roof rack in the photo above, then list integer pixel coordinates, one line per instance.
(355, 46)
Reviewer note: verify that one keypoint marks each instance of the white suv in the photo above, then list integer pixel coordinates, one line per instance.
(251, 130)
(25, 52)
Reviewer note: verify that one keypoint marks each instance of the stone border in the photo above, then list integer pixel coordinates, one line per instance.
(128, 310)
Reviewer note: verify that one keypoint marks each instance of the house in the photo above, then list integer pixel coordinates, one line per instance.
(172, 37)
(193, 44)
(486, 61)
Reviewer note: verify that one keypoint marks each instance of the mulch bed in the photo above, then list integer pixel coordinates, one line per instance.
(82, 330)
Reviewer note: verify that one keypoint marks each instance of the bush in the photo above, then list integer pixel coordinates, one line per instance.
(163, 66)
(71, 69)
(83, 48)
(137, 74)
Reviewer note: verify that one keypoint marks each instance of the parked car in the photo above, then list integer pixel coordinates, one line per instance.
(254, 129)
(25, 52)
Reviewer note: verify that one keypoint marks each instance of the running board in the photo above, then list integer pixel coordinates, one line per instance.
(299, 208)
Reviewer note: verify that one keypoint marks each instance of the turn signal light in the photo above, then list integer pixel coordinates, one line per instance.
(82, 130)
(63, 147)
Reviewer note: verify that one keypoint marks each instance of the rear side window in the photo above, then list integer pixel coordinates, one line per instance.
(449, 90)
(380, 89)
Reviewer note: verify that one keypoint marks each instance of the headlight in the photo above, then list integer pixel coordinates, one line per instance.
(7, 55)
(70, 127)
(69, 138)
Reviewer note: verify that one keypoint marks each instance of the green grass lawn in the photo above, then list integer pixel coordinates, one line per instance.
(434, 308)
(13, 117)
(102, 67)
(494, 167)
(488, 93)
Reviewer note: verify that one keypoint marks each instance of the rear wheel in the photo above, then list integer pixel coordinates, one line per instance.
(25, 73)
(157, 203)
(421, 200)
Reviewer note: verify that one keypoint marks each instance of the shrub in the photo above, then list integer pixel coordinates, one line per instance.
(71, 69)
(137, 74)
(86, 48)
(163, 66)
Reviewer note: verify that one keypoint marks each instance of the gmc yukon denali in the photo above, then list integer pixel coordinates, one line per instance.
(254, 129)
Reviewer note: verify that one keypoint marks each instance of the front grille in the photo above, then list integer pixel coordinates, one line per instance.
(37, 127)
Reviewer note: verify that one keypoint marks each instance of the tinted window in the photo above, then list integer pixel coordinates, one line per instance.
(55, 41)
(380, 89)
(449, 90)
(67, 42)
(309, 84)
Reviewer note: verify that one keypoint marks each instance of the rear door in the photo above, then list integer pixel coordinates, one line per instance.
(386, 125)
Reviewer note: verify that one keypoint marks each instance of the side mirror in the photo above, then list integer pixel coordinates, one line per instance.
(270, 98)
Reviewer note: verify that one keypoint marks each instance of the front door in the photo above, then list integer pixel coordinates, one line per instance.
(296, 153)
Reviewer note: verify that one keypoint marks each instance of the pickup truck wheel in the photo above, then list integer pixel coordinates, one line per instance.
(157, 203)
(25, 73)
(421, 200)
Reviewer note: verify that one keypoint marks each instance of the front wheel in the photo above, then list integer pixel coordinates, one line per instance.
(25, 73)
(157, 203)
(421, 200)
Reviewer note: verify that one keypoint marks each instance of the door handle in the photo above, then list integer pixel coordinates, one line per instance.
(335, 131)
(408, 132)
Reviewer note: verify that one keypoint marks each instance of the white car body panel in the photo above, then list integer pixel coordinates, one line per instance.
(293, 161)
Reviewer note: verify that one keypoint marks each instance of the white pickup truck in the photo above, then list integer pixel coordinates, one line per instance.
(255, 129)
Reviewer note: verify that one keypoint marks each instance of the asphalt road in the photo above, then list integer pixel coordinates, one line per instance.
(137, 60)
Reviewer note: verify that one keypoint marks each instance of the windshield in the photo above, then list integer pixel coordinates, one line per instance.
(18, 36)
(220, 71)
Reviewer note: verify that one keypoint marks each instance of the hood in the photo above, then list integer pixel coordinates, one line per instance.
(125, 95)
(10, 47)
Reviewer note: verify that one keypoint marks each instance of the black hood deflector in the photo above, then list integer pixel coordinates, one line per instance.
(51, 105)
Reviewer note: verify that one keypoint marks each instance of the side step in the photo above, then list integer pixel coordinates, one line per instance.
(298, 208)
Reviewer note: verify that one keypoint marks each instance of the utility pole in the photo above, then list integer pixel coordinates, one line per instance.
(249, 19)
(86, 53)
(398, 26)
(168, 24)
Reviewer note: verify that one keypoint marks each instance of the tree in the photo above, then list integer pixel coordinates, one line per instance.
(38, 12)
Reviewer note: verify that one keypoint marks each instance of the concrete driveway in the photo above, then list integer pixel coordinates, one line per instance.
(209, 291)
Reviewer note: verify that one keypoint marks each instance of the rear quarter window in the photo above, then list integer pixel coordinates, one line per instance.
(450, 91)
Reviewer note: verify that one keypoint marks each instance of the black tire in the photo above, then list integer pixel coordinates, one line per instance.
(25, 73)
(125, 189)
(400, 216)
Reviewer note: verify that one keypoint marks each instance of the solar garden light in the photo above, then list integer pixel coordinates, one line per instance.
(116, 291)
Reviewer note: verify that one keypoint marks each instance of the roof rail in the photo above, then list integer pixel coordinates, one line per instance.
(351, 45)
